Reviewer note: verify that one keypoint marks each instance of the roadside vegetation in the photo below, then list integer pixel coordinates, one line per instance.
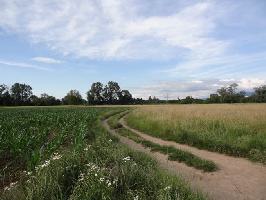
(238, 130)
(172, 152)
(64, 153)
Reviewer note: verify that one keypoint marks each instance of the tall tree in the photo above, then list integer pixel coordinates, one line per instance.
(5, 98)
(260, 94)
(125, 97)
(95, 94)
(21, 93)
(73, 97)
(111, 92)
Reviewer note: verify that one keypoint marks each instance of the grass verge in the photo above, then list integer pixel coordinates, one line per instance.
(172, 152)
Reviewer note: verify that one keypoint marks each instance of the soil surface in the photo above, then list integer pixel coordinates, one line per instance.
(237, 178)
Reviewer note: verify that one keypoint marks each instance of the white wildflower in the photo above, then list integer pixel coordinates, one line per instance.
(6, 188)
(95, 174)
(56, 156)
(126, 159)
(167, 188)
(136, 197)
(101, 179)
(110, 140)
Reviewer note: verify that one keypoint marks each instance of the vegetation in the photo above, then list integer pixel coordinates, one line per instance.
(172, 152)
(21, 94)
(64, 153)
(238, 130)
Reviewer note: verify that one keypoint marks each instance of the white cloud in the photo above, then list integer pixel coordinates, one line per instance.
(114, 29)
(245, 83)
(46, 60)
(22, 65)
(197, 89)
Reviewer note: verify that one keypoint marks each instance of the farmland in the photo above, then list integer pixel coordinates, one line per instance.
(65, 153)
(238, 130)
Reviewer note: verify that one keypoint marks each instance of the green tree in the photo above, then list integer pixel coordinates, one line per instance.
(111, 92)
(21, 93)
(73, 97)
(214, 98)
(95, 94)
(5, 98)
(260, 94)
(125, 97)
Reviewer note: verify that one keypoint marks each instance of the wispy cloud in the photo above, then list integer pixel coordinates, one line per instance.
(46, 60)
(22, 65)
(195, 88)
(114, 29)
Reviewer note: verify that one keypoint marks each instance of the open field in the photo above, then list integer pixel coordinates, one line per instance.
(64, 153)
(238, 130)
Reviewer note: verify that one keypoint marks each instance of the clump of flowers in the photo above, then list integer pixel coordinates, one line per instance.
(126, 159)
(11, 185)
(56, 156)
(97, 174)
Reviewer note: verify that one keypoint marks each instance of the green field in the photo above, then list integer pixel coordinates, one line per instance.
(64, 153)
(238, 130)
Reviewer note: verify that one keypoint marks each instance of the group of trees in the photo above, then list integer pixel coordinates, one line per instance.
(111, 93)
(21, 95)
(231, 94)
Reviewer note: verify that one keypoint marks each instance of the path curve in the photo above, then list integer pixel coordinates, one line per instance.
(237, 178)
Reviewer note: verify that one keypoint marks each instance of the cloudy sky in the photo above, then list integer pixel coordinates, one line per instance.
(170, 47)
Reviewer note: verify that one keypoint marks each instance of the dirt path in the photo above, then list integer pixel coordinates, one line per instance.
(237, 178)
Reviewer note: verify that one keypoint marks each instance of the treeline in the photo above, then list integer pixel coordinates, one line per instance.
(111, 93)
(21, 95)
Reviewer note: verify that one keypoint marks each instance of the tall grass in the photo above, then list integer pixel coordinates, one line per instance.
(94, 167)
(238, 130)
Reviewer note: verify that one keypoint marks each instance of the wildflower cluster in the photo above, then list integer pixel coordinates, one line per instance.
(97, 173)
(46, 163)
(11, 185)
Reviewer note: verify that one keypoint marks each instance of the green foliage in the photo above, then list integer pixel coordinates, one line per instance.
(236, 139)
(172, 152)
(81, 160)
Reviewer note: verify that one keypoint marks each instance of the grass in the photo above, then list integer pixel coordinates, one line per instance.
(80, 160)
(238, 130)
(172, 152)
(113, 121)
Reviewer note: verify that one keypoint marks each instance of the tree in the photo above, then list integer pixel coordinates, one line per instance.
(187, 100)
(260, 94)
(95, 94)
(125, 97)
(214, 98)
(111, 92)
(230, 95)
(21, 93)
(5, 98)
(73, 97)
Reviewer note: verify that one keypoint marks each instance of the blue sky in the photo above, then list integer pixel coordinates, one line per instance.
(170, 47)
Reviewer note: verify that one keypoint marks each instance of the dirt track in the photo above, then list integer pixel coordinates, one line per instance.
(237, 178)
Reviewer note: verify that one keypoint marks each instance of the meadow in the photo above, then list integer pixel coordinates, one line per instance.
(233, 129)
(65, 153)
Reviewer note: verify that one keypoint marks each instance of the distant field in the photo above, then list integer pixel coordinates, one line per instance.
(64, 153)
(238, 129)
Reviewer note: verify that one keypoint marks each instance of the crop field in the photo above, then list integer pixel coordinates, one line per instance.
(238, 130)
(65, 153)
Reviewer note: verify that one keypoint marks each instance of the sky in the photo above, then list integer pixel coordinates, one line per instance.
(169, 48)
